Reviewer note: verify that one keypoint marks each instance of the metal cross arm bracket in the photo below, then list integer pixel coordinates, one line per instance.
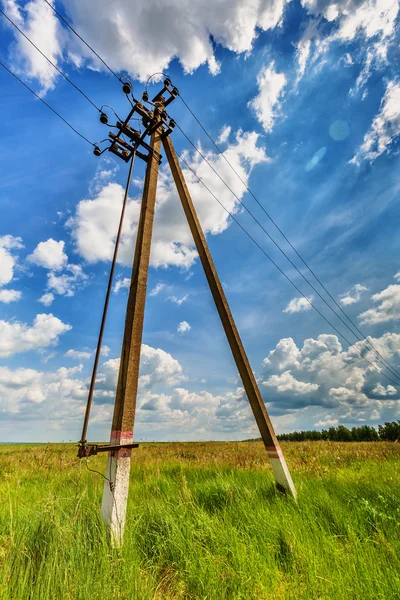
(86, 450)
(124, 154)
(125, 151)
(154, 119)
(168, 87)
(137, 138)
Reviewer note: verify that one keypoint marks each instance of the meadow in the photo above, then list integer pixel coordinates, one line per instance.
(204, 522)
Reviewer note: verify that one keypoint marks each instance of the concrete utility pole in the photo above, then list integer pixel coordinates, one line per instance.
(115, 495)
(158, 126)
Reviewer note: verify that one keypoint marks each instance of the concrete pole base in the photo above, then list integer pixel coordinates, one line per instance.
(115, 492)
(281, 471)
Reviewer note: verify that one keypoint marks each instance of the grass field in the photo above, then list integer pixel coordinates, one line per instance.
(204, 522)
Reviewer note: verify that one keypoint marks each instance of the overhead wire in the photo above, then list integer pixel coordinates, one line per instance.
(351, 345)
(115, 113)
(372, 350)
(151, 77)
(50, 61)
(81, 38)
(365, 338)
(46, 104)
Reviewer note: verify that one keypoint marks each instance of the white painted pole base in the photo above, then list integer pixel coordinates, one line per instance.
(115, 492)
(281, 471)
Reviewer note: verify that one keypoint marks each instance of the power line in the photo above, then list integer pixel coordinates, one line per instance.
(351, 345)
(366, 341)
(48, 59)
(376, 354)
(45, 103)
(82, 40)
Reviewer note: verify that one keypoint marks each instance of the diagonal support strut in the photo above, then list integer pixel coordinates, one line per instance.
(271, 443)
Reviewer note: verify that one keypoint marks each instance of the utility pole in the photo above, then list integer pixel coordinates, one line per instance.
(125, 144)
(115, 494)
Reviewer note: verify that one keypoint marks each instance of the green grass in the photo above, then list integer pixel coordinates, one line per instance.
(204, 522)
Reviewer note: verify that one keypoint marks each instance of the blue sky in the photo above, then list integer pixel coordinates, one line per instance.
(304, 98)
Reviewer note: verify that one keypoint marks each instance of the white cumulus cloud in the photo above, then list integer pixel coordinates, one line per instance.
(55, 399)
(46, 299)
(95, 222)
(140, 37)
(224, 135)
(40, 24)
(327, 422)
(266, 104)
(298, 305)
(78, 354)
(318, 373)
(353, 295)
(8, 244)
(381, 390)
(285, 382)
(50, 255)
(18, 337)
(8, 296)
(121, 284)
(143, 37)
(183, 327)
(66, 283)
(322, 373)
(85, 354)
(157, 367)
(387, 310)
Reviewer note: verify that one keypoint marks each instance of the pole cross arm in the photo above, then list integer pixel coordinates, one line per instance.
(154, 119)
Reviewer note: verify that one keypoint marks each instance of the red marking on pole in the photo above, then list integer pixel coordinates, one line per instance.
(273, 448)
(117, 435)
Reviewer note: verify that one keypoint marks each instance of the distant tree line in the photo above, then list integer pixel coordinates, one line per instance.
(389, 432)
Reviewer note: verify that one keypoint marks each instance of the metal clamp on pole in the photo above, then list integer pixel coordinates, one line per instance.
(86, 450)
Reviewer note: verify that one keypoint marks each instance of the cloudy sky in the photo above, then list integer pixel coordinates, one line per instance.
(303, 98)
